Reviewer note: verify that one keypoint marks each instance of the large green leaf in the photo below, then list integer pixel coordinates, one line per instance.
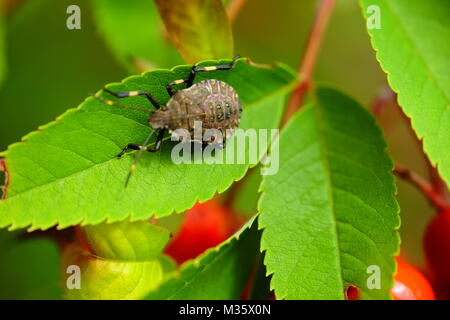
(330, 211)
(134, 32)
(198, 28)
(413, 48)
(219, 273)
(67, 173)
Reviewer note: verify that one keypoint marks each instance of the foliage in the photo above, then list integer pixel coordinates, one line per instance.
(323, 222)
(118, 261)
(337, 197)
(80, 149)
(219, 273)
(413, 49)
(198, 28)
(132, 29)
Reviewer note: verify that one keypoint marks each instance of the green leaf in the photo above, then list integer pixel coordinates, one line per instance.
(67, 173)
(219, 273)
(198, 28)
(124, 257)
(111, 279)
(330, 211)
(413, 48)
(134, 32)
(246, 200)
(125, 240)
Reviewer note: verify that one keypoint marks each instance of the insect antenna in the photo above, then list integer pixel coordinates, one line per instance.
(137, 158)
(113, 103)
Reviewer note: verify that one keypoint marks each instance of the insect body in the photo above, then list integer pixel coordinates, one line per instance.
(212, 102)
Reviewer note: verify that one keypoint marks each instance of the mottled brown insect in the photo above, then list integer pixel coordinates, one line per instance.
(215, 103)
(212, 102)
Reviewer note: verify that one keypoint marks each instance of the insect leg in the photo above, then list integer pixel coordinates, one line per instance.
(169, 87)
(159, 140)
(195, 69)
(141, 150)
(133, 94)
(134, 146)
(190, 80)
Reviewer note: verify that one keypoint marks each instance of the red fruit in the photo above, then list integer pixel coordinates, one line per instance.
(437, 247)
(410, 284)
(352, 293)
(205, 226)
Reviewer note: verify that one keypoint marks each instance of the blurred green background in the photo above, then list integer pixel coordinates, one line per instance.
(48, 69)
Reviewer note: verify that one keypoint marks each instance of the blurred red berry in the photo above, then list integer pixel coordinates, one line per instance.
(410, 284)
(437, 247)
(204, 226)
(352, 293)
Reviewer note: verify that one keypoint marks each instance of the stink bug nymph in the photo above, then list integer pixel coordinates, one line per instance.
(213, 102)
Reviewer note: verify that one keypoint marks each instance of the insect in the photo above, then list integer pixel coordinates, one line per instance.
(213, 102)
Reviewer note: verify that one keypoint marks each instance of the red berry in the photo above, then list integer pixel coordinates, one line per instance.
(410, 284)
(437, 247)
(352, 293)
(205, 226)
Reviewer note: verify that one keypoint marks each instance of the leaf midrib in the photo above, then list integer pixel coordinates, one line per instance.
(273, 93)
(326, 162)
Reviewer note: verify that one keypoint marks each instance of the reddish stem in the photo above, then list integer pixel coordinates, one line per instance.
(385, 97)
(435, 198)
(307, 64)
(309, 59)
(233, 9)
(436, 191)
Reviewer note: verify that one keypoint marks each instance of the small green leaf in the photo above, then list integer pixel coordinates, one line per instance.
(198, 28)
(124, 257)
(413, 48)
(219, 273)
(134, 32)
(67, 173)
(125, 240)
(111, 279)
(330, 212)
(167, 263)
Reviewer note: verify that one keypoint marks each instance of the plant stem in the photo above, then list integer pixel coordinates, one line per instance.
(307, 64)
(435, 198)
(309, 59)
(385, 97)
(436, 191)
(233, 9)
